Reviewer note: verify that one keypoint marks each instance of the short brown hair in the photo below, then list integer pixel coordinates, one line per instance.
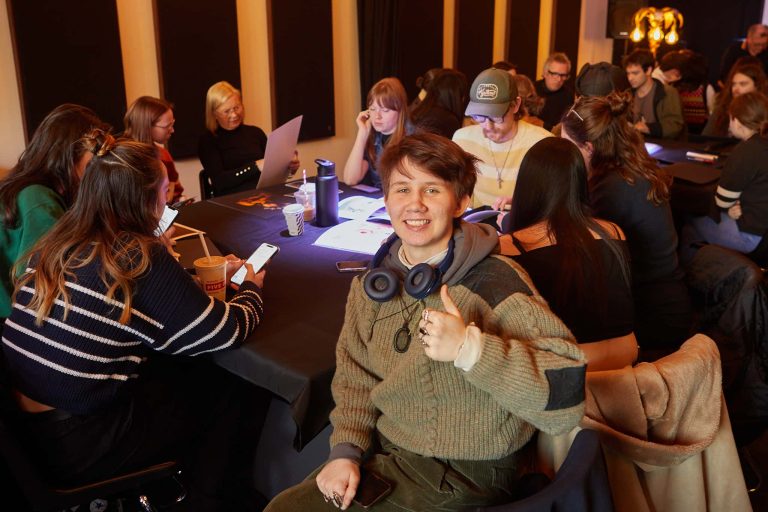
(751, 109)
(434, 154)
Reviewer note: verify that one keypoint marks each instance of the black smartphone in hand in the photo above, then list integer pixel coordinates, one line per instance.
(371, 490)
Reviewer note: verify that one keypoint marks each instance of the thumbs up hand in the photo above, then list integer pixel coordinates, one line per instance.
(442, 333)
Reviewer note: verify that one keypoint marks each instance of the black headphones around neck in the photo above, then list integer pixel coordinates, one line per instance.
(381, 284)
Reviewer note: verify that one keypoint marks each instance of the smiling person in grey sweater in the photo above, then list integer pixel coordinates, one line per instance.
(448, 360)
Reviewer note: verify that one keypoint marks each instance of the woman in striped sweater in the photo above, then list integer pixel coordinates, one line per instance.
(100, 298)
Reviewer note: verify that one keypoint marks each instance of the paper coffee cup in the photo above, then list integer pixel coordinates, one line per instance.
(294, 217)
(212, 273)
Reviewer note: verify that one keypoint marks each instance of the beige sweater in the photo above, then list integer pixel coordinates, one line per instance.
(530, 374)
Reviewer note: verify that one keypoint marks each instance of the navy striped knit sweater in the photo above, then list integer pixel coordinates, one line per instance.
(88, 360)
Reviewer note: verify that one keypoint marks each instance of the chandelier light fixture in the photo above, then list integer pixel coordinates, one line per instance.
(657, 24)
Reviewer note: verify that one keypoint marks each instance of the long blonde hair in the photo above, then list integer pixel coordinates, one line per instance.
(112, 221)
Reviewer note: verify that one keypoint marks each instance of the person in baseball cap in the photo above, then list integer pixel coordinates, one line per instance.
(500, 138)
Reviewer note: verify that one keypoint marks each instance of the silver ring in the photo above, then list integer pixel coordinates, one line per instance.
(425, 316)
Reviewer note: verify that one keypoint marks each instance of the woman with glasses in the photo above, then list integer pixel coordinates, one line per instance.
(229, 149)
(628, 187)
(150, 120)
(382, 123)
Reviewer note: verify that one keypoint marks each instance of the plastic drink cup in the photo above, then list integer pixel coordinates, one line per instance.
(294, 217)
(212, 273)
(306, 198)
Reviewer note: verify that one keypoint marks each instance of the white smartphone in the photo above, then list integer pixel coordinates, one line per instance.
(169, 214)
(258, 259)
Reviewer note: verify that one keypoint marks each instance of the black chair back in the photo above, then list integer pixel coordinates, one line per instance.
(206, 186)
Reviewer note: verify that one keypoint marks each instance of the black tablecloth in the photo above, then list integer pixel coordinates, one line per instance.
(693, 189)
(292, 353)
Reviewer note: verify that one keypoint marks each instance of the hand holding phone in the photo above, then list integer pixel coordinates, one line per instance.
(169, 215)
(258, 259)
(371, 489)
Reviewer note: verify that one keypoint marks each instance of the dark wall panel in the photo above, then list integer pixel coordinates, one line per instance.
(620, 18)
(197, 47)
(302, 65)
(420, 45)
(566, 30)
(400, 39)
(68, 52)
(474, 36)
(523, 41)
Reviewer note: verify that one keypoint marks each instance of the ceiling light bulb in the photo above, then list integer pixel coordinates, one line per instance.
(671, 37)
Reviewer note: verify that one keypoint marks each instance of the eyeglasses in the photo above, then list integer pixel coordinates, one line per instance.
(237, 109)
(562, 76)
(478, 118)
(166, 126)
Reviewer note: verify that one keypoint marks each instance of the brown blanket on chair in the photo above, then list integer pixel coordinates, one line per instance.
(659, 413)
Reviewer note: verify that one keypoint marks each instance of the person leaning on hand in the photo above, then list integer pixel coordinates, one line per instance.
(442, 381)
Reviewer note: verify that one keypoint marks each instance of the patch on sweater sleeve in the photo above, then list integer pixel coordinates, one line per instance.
(494, 280)
(566, 387)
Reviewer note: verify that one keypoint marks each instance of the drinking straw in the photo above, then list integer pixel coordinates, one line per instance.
(304, 188)
(205, 246)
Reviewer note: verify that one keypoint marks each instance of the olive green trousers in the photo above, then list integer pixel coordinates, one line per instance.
(420, 483)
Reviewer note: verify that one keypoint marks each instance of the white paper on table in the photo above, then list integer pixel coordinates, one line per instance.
(281, 144)
(355, 236)
(359, 207)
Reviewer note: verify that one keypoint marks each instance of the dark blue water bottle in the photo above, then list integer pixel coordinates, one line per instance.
(326, 194)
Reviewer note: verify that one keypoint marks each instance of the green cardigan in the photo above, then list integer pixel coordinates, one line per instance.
(38, 210)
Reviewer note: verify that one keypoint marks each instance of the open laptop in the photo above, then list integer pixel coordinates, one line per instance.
(280, 146)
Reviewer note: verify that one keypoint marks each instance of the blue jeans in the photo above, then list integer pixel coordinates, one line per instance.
(725, 233)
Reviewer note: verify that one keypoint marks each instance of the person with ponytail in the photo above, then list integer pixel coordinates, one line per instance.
(384, 122)
(579, 263)
(627, 187)
(41, 186)
(101, 300)
(742, 193)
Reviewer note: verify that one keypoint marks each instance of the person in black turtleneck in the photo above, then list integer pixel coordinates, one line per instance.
(229, 149)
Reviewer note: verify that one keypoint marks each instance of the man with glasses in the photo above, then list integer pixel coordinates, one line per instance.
(499, 139)
(555, 89)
